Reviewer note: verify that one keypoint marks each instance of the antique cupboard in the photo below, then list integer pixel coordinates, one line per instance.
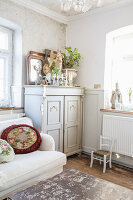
(57, 111)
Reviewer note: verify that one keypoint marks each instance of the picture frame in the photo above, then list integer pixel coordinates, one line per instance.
(49, 58)
(34, 59)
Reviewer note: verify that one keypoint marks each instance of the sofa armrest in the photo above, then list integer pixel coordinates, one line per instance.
(47, 143)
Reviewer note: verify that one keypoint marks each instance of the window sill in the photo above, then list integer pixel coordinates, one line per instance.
(8, 108)
(117, 111)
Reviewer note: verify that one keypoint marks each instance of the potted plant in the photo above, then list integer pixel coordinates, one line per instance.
(71, 58)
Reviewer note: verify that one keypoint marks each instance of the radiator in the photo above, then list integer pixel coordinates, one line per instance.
(120, 129)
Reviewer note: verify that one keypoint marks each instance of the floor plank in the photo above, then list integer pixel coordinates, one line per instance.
(117, 175)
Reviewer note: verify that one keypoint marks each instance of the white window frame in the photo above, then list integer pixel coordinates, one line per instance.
(108, 79)
(7, 54)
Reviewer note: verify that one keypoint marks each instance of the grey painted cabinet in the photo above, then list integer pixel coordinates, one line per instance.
(57, 111)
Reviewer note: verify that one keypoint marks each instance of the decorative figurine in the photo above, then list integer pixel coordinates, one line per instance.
(59, 60)
(116, 96)
(46, 69)
(48, 78)
(38, 69)
(69, 74)
(52, 57)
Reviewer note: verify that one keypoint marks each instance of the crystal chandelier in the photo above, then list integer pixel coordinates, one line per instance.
(79, 5)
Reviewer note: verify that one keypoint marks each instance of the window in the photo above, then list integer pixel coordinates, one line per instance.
(5, 65)
(119, 61)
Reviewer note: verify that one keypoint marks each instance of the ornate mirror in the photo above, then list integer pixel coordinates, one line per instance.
(35, 64)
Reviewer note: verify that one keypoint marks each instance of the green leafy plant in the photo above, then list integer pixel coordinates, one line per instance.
(71, 58)
(130, 92)
(54, 69)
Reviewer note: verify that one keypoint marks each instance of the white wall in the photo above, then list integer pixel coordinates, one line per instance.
(88, 34)
(38, 32)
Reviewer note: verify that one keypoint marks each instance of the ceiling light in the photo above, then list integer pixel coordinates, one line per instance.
(79, 5)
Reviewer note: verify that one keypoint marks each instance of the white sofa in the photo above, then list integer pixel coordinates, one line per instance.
(29, 168)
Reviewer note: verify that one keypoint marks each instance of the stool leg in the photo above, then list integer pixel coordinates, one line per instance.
(104, 164)
(100, 162)
(91, 159)
(110, 164)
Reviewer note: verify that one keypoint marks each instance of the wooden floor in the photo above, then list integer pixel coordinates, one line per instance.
(117, 175)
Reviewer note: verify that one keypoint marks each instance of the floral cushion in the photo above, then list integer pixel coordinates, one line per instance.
(23, 138)
(6, 152)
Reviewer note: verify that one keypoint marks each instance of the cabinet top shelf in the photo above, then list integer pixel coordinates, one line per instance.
(41, 90)
(52, 86)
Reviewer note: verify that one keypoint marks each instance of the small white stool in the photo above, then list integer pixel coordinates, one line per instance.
(104, 154)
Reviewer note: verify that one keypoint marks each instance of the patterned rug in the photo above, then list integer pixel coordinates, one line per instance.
(74, 185)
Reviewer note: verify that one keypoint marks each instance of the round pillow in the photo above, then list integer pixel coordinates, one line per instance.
(6, 152)
(23, 138)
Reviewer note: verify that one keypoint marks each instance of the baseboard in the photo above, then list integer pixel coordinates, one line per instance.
(74, 152)
(87, 149)
(121, 164)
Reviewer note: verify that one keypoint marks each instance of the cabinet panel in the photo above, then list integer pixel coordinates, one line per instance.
(54, 112)
(53, 119)
(72, 109)
(72, 136)
(72, 133)
(56, 134)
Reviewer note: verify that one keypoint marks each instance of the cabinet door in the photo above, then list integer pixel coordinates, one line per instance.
(53, 119)
(72, 125)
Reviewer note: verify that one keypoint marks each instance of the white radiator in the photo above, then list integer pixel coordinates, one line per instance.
(120, 129)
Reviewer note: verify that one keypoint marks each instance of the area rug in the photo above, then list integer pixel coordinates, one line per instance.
(74, 185)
